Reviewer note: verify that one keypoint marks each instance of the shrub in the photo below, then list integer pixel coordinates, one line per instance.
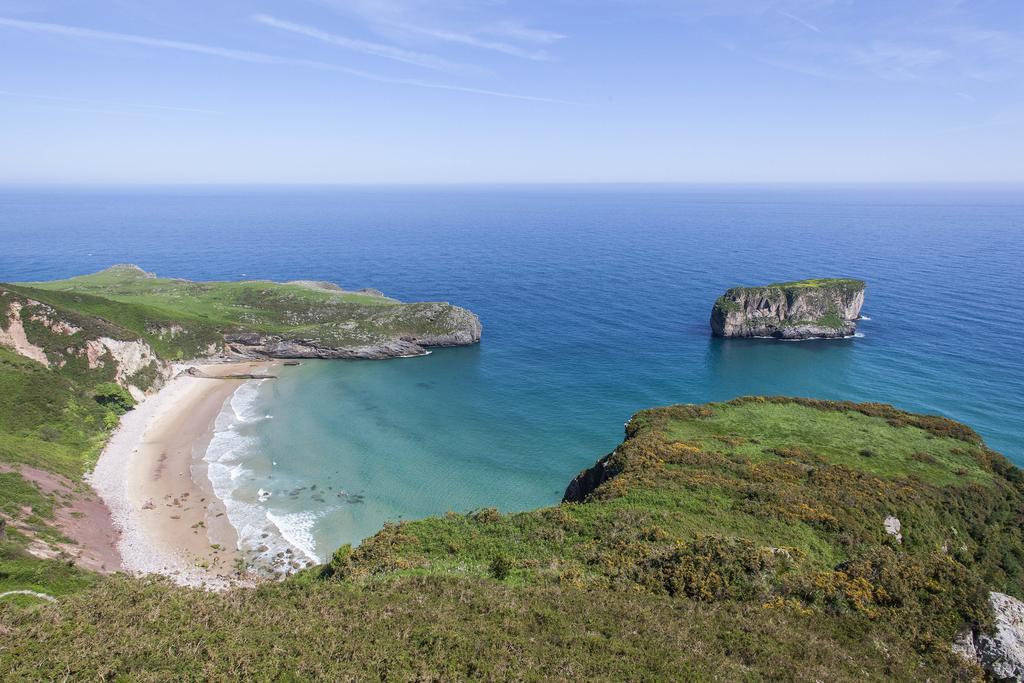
(711, 568)
(340, 565)
(115, 397)
(486, 515)
(51, 434)
(500, 567)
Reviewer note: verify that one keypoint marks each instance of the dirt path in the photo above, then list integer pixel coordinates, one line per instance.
(44, 596)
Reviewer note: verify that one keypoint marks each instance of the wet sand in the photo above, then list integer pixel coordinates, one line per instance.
(152, 477)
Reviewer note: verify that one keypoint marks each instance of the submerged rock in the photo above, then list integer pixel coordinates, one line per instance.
(806, 309)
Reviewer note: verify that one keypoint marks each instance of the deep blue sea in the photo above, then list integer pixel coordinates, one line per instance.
(595, 304)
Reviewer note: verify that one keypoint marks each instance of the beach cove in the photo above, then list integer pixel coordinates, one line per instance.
(152, 477)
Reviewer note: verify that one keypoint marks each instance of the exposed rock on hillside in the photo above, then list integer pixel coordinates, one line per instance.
(825, 308)
(51, 337)
(584, 483)
(14, 336)
(130, 358)
(1001, 652)
(431, 324)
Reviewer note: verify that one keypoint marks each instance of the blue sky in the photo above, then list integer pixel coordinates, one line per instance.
(411, 91)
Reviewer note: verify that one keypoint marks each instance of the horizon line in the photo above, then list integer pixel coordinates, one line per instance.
(503, 183)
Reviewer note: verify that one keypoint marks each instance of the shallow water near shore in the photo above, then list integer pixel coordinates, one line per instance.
(594, 302)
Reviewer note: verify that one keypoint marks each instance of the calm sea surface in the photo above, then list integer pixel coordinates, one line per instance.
(594, 302)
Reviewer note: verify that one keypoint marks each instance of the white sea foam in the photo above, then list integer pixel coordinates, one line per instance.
(272, 541)
(297, 529)
(244, 402)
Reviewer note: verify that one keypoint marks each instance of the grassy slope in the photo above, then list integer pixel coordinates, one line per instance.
(50, 419)
(743, 541)
(206, 310)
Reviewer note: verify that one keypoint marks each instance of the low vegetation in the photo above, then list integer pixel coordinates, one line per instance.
(182, 318)
(839, 283)
(742, 540)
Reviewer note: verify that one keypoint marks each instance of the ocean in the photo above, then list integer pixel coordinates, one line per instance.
(595, 304)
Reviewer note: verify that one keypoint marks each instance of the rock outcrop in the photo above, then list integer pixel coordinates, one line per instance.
(12, 335)
(55, 341)
(587, 481)
(1000, 652)
(437, 325)
(807, 309)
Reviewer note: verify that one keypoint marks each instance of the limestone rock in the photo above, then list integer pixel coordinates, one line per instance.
(1001, 652)
(824, 308)
(894, 528)
(449, 325)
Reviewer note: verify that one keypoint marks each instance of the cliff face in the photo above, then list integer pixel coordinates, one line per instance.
(587, 481)
(826, 308)
(61, 339)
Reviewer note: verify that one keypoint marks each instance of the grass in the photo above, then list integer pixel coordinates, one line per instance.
(819, 283)
(742, 540)
(48, 418)
(840, 437)
(19, 571)
(818, 286)
(181, 318)
(444, 628)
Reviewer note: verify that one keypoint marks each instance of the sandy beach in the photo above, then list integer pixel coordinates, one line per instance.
(152, 478)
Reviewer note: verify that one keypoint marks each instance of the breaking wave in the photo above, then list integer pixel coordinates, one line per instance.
(272, 542)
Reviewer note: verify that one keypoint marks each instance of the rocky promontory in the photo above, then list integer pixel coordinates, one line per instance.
(262, 319)
(826, 308)
(407, 331)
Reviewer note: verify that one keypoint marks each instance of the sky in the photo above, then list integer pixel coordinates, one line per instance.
(463, 91)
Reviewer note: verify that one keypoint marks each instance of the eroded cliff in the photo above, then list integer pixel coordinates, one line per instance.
(822, 308)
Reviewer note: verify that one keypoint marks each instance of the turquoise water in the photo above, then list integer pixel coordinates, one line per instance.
(594, 303)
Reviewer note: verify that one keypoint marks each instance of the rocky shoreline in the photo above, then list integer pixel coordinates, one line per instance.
(253, 345)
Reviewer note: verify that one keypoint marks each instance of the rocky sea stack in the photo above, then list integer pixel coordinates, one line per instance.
(826, 308)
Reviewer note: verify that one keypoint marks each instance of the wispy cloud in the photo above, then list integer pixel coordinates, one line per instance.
(518, 31)
(397, 54)
(803, 22)
(130, 105)
(941, 42)
(251, 57)
(93, 34)
(422, 19)
(473, 40)
(897, 61)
